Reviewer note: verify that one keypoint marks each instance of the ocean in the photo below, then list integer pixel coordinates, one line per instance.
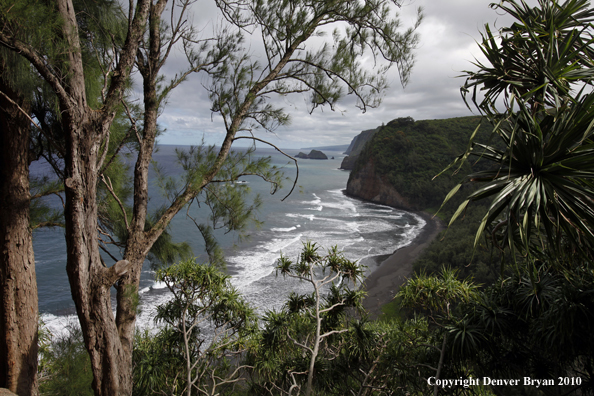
(317, 211)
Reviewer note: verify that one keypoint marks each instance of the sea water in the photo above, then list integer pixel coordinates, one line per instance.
(317, 211)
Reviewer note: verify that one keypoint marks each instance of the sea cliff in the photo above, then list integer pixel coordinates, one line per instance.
(357, 145)
(368, 185)
(398, 165)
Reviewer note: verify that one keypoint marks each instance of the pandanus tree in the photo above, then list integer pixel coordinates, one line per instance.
(535, 91)
(438, 296)
(298, 339)
(209, 322)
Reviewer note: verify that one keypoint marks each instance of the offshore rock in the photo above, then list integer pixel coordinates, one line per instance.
(315, 154)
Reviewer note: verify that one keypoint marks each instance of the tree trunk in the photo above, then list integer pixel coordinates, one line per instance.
(90, 280)
(18, 284)
(138, 244)
(87, 132)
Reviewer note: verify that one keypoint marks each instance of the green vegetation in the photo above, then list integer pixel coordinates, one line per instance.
(411, 153)
(533, 322)
(207, 324)
(64, 365)
(533, 186)
(82, 60)
(534, 190)
(319, 343)
(455, 248)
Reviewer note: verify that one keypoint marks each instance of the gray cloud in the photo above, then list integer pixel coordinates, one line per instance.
(448, 46)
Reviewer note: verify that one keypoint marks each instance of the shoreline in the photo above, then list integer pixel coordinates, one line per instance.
(383, 283)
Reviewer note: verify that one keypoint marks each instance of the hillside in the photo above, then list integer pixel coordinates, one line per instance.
(398, 164)
(397, 167)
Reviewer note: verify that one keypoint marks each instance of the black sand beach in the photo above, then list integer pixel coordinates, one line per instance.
(383, 283)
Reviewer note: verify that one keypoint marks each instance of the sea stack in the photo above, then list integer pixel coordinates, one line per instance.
(315, 154)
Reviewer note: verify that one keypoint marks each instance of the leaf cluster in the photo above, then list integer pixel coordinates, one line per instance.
(207, 325)
(540, 181)
(241, 86)
(65, 367)
(538, 59)
(534, 323)
(382, 358)
(437, 293)
(202, 292)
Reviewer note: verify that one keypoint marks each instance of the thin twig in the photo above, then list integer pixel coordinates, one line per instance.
(280, 151)
(110, 188)
(21, 110)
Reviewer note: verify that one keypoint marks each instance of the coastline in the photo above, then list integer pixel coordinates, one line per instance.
(383, 283)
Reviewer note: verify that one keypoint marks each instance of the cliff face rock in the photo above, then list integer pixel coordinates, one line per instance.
(366, 184)
(397, 167)
(357, 145)
(348, 162)
(359, 141)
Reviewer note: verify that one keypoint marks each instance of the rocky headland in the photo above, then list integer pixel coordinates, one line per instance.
(368, 185)
(356, 146)
(399, 161)
(396, 167)
(365, 181)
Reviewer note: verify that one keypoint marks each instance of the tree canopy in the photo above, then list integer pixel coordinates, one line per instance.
(93, 105)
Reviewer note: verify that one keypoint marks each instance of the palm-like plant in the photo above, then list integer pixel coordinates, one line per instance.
(542, 185)
(536, 324)
(537, 60)
(541, 182)
(541, 190)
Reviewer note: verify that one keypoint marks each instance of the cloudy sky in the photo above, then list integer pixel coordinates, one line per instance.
(447, 48)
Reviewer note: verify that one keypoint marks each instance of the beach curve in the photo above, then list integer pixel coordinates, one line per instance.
(383, 283)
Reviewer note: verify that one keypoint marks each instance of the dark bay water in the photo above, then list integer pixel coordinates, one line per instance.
(317, 211)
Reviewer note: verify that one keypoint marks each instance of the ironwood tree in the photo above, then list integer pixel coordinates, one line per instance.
(86, 131)
(239, 91)
(18, 309)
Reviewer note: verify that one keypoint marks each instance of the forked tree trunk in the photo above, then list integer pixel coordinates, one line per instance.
(18, 284)
(87, 135)
(90, 280)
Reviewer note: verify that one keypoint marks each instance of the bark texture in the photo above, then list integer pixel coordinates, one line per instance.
(18, 284)
(87, 134)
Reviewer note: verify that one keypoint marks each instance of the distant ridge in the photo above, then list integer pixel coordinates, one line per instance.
(356, 146)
